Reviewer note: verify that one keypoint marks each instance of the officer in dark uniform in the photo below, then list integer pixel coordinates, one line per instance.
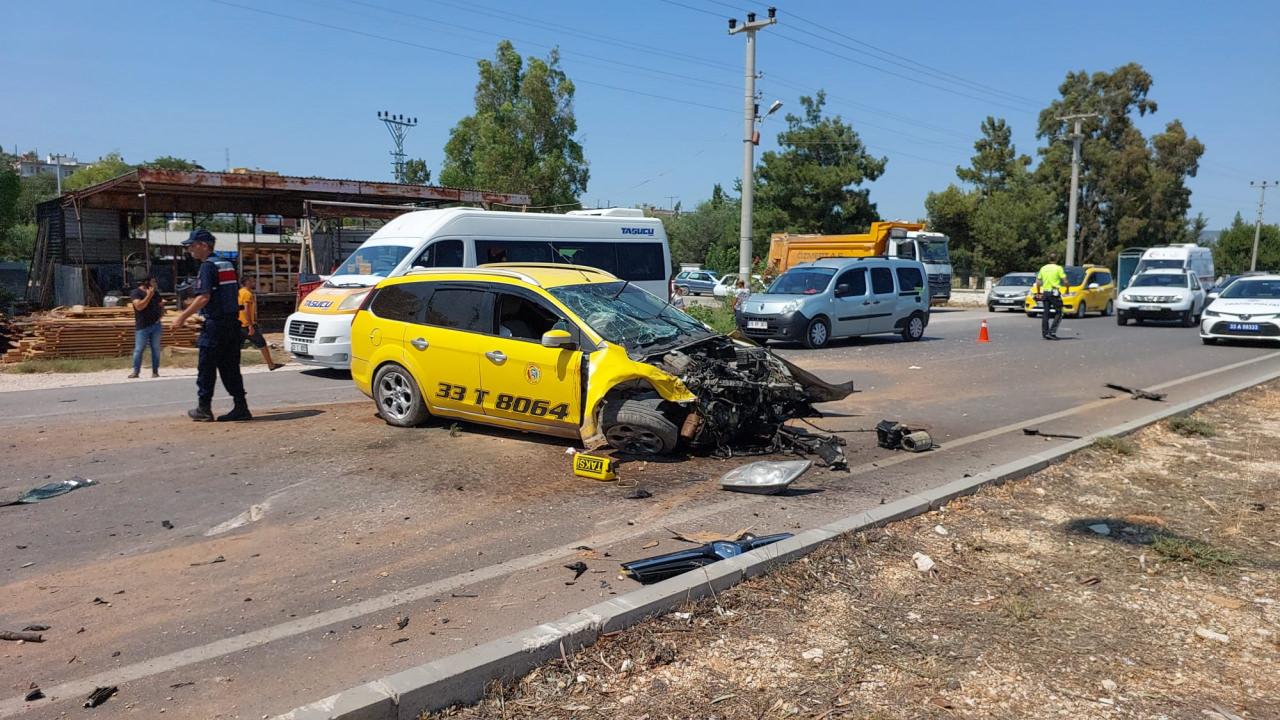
(214, 296)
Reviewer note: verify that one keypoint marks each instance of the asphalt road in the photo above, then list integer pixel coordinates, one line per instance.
(331, 526)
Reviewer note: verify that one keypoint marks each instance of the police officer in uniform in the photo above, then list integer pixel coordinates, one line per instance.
(214, 296)
(1051, 282)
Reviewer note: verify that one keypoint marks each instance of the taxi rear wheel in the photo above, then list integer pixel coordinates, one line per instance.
(397, 396)
(638, 427)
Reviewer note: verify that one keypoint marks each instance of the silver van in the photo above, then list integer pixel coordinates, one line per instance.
(839, 297)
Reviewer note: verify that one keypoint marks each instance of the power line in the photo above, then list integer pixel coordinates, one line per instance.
(567, 53)
(877, 68)
(907, 63)
(420, 46)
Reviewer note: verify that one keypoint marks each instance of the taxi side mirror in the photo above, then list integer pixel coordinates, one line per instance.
(558, 338)
(1093, 286)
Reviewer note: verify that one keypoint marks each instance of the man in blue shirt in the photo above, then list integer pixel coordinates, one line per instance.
(215, 298)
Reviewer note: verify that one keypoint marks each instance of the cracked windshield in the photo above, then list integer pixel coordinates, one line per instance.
(628, 316)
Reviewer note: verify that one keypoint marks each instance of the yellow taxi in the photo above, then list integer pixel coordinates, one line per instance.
(570, 351)
(1090, 288)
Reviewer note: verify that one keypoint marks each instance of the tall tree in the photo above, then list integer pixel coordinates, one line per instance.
(1234, 248)
(168, 162)
(1132, 191)
(813, 184)
(708, 235)
(416, 172)
(521, 137)
(108, 166)
(996, 160)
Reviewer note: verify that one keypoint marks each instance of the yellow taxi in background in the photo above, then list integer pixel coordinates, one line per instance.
(1090, 288)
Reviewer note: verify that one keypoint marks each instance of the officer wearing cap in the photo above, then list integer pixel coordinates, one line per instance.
(214, 296)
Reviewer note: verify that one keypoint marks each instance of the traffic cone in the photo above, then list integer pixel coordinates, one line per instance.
(983, 337)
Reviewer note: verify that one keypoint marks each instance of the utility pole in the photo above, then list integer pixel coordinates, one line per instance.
(1076, 137)
(57, 171)
(750, 27)
(398, 126)
(1257, 228)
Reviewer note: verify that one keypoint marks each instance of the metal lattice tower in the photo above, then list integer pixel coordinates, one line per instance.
(398, 126)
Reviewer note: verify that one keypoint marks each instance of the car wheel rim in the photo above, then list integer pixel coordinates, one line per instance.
(394, 395)
(917, 327)
(634, 440)
(818, 334)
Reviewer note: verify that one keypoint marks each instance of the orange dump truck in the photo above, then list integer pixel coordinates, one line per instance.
(885, 239)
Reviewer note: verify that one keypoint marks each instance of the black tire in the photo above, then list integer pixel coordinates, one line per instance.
(1109, 309)
(398, 398)
(1081, 309)
(1188, 319)
(817, 334)
(1122, 320)
(1208, 340)
(991, 308)
(639, 427)
(914, 329)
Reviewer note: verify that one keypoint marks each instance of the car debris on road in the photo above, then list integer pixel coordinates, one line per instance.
(660, 567)
(100, 695)
(51, 490)
(1137, 393)
(764, 477)
(892, 435)
(1034, 432)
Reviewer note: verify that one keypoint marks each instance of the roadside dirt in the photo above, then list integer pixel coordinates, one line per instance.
(1139, 579)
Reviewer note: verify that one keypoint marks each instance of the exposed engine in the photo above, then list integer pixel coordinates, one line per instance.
(746, 394)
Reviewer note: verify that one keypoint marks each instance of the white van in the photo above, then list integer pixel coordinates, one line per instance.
(1190, 257)
(620, 240)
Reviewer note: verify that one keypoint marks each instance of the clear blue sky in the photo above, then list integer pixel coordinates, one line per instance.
(192, 77)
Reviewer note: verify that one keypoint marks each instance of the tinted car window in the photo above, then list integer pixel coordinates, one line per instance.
(596, 255)
(910, 279)
(640, 261)
(1102, 278)
(445, 253)
(458, 308)
(523, 319)
(881, 280)
(400, 302)
(856, 279)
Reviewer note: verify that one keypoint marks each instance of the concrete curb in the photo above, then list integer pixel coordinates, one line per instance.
(463, 677)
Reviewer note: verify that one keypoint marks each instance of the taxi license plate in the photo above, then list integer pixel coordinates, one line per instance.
(1244, 327)
(757, 325)
(300, 348)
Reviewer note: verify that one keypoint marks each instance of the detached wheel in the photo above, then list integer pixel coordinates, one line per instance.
(914, 329)
(397, 396)
(817, 334)
(638, 427)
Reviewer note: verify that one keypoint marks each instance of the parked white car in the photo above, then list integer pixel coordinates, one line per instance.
(728, 283)
(1248, 309)
(1165, 295)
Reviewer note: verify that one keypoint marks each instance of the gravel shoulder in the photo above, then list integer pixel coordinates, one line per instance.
(1139, 579)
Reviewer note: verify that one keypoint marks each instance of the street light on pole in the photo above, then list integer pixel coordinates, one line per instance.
(750, 138)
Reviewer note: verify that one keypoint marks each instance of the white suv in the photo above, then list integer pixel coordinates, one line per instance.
(1163, 294)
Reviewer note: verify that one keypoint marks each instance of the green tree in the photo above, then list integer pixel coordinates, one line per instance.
(1234, 249)
(35, 190)
(813, 184)
(521, 137)
(708, 235)
(951, 212)
(1013, 229)
(10, 193)
(1132, 190)
(416, 172)
(996, 160)
(108, 166)
(168, 162)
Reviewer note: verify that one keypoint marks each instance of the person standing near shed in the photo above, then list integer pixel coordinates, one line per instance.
(249, 330)
(148, 308)
(214, 296)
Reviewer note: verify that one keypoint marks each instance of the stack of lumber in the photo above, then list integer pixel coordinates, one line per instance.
(83, 332)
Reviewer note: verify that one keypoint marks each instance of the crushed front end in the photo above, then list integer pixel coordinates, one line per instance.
(745, 395)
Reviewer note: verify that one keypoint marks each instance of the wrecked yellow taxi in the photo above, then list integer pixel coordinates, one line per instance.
(575, 352)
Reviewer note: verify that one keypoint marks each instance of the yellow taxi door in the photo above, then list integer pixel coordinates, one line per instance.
(442, 348)
(522, 380)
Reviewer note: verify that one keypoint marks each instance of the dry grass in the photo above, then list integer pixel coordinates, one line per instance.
(181, 359)
(1117, 445)
(1191, 426)
(1028, 613)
